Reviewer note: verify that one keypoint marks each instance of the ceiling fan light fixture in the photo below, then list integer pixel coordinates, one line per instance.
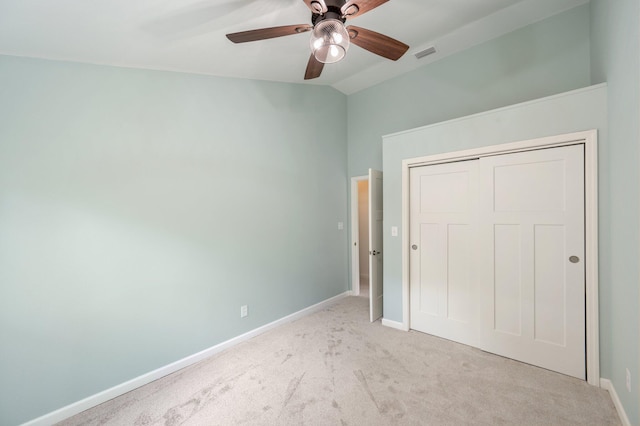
(329, 41)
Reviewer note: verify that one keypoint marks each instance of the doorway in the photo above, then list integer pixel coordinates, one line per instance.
(363, 235)
(366, 235)
(360, 236)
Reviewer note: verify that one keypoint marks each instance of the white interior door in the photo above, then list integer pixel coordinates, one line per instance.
(443, 214)
(375, 244)
(532, 270)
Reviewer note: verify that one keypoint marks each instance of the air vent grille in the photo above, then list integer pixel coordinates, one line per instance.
(426, 52)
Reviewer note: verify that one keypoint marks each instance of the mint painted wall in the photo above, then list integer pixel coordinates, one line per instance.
(548, 57)
(551, 56)
(615, 41)
(139, 210)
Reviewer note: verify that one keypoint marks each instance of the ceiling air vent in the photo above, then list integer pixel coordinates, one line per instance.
(426, 52)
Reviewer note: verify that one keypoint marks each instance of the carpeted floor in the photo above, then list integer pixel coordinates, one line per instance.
(335, 368)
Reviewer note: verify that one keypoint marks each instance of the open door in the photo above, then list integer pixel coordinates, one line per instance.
(375, 244)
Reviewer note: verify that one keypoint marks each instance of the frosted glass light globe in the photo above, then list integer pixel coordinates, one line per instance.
(329, 41)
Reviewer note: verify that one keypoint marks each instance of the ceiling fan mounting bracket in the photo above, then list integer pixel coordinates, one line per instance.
(332, 12)
(338, 4)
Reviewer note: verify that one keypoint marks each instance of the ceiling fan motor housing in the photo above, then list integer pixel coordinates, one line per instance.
(332, 12)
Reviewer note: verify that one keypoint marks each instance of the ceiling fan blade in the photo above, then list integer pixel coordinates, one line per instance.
(316, 6)
(377, 43)
(314, 68)
(353, 8)
(266, 33)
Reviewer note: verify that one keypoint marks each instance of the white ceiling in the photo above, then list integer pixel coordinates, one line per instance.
(189, 35)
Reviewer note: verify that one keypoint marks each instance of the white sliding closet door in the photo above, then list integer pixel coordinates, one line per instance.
(443, 211)
(531, 259)
(497, 255)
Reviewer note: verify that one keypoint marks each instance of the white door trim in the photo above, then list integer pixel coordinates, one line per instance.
(355, 237)
(590, 140)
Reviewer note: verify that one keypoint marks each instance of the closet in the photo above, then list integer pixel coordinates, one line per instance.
(496, 259)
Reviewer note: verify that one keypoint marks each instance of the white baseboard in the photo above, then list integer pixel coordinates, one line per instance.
(393, 324)
(608, 385)
(104, 396)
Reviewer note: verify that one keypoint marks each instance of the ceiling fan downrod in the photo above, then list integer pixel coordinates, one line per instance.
(332, 12)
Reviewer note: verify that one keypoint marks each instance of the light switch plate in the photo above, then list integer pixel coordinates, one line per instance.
(340, 226)
(394, 231)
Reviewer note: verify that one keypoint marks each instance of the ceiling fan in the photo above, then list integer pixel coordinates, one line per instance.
(330, 38)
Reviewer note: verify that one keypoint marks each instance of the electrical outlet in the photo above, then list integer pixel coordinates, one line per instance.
(243, 311)
(628, 381)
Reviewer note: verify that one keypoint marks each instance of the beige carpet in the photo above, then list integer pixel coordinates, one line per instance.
(335, 368)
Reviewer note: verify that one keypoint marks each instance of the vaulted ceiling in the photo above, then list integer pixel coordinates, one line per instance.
(189, 35)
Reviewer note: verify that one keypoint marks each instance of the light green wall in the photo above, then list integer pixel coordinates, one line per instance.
(615, 40)
(551, 56)
(140, 209)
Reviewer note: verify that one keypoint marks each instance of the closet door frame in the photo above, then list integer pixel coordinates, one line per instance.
(590, 141)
